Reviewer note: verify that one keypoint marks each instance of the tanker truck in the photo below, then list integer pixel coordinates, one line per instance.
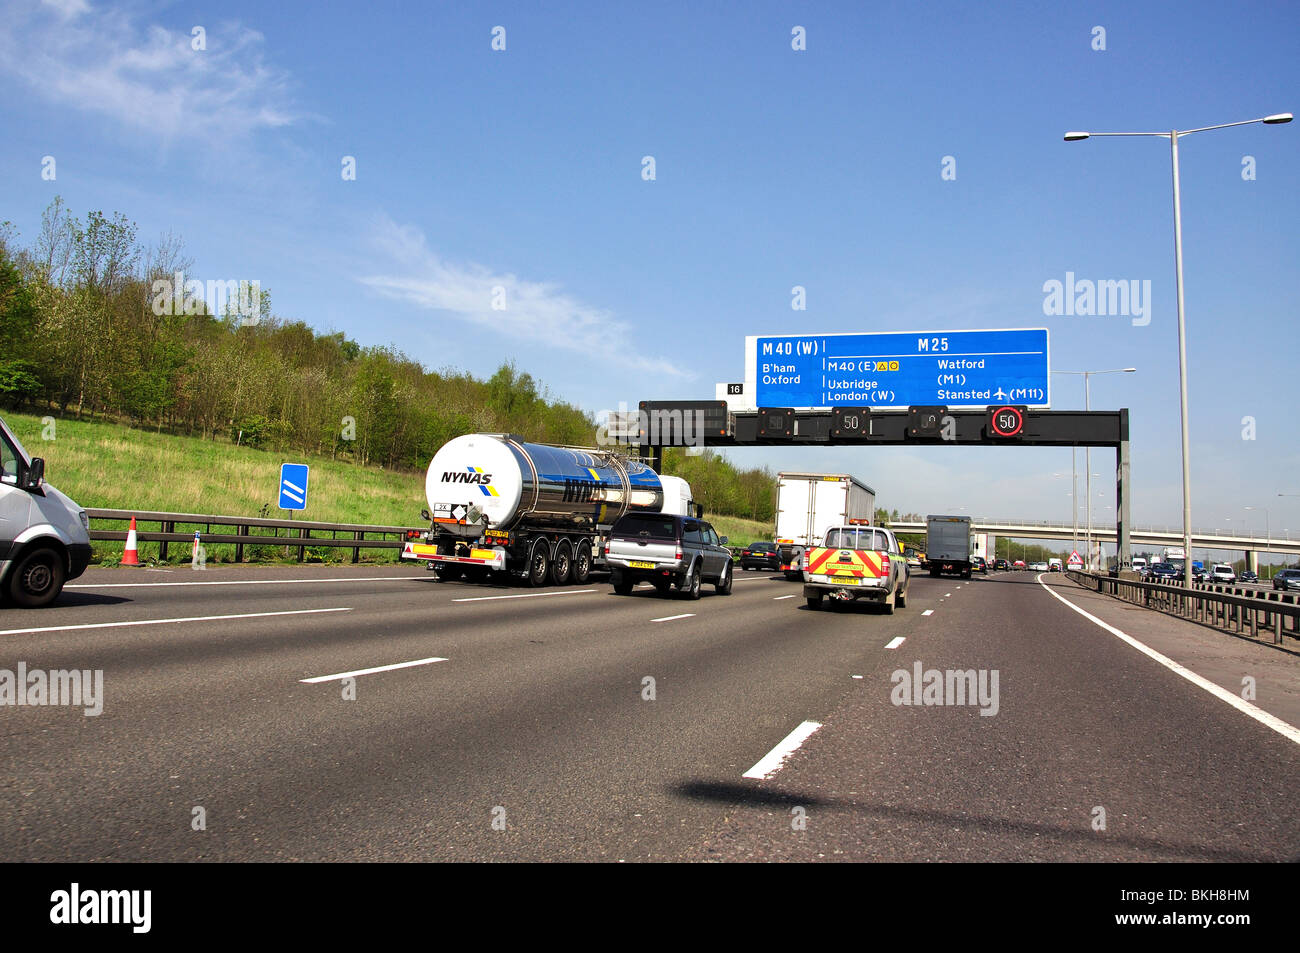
(500, 505)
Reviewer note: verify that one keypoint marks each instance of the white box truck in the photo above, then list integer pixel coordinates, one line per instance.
(809, 504)
(44, 536)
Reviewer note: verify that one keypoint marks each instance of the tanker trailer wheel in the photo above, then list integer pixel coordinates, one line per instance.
(582, 564)
(448, 572)
(37, 580)
(539, 563)
(562, 565)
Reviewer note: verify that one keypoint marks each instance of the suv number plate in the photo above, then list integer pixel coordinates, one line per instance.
(641, 565)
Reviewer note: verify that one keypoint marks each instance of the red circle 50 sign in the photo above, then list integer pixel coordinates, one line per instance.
(1006, 421)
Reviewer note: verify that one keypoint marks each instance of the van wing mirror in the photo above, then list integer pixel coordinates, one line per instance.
(424, 515)
(34, 474)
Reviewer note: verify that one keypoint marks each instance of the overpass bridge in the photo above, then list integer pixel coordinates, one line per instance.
(1158, 536)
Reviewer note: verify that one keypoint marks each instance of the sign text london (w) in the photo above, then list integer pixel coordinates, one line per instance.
(899, 369)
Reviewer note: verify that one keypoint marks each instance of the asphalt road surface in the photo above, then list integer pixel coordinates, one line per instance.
(523, 725)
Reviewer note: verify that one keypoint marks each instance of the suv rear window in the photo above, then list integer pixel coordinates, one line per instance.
(646, 525)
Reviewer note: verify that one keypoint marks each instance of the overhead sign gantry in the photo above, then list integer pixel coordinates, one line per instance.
(931, 388)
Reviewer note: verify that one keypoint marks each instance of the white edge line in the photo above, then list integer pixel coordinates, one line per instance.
(895, 643)
(369, 671)
(774, 759)
(527, 595)
(779, 598)
(234, 582)
(1288, 731)
(928, 612)
(670, 618)
(197, 618)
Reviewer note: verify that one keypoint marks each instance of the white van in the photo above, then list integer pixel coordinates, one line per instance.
(44, 536)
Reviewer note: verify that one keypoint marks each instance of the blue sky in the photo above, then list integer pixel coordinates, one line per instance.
(822, 168)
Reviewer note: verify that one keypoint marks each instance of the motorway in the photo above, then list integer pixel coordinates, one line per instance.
(537, 717)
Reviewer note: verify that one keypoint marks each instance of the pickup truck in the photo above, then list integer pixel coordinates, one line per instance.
(857, 562)
(667, 551)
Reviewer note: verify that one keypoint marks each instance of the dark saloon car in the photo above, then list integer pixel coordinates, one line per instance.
(1247, 576)
(977, 564)
(1287, 579)
(1002, 566)
(1164, 572)
(760, 556)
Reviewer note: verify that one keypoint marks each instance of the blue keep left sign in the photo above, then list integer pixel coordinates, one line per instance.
(293, 486)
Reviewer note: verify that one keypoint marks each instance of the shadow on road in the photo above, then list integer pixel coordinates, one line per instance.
(750, 795)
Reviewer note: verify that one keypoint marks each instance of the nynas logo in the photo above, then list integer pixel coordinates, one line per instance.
(468, 477)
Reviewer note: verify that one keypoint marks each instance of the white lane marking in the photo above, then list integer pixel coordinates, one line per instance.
(1284, 729)
(895, 643)
(196, 618)
(527, 595)
(370, 671)
(928, 612)
(670, 618)
(947, 594)
(779, 598)
(234, 582)
(774, 759)
(855, 676)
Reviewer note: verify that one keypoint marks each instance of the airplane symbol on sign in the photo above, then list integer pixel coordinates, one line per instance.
(1000, 394)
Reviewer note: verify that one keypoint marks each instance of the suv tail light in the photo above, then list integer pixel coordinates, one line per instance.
(679, 552)
(884, 565)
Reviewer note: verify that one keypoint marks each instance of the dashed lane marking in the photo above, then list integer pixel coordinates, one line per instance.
(369, 671)
(774, 759)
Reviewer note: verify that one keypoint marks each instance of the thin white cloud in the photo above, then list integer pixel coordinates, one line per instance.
(149, 78)
(534, 311)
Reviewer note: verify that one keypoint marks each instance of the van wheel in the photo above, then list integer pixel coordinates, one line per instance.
(902, 598)
(888, 604)
(37, 580)
(562, 565)
(814, 602)
(582, 564)
(623, 587)
(723, 586)
(539, 564)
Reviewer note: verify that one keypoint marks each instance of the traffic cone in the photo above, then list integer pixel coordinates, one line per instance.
(130, 557)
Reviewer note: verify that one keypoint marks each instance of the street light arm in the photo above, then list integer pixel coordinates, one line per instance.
(1275, 119)
(1271, 120)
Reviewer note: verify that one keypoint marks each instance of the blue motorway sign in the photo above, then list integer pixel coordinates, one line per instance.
(899, 369)
(293, 486)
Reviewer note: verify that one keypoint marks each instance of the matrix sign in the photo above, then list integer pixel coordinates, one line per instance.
(899, 369)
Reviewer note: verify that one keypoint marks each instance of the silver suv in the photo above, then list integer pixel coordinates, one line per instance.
(669, 551)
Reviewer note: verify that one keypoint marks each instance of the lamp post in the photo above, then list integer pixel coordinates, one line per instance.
(1087, 405)
(1267, 535)
(1173, 136)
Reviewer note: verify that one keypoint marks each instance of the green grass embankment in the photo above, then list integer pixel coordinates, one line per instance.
(111, 466)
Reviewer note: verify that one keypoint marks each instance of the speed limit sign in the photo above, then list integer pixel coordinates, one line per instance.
(1006, 421)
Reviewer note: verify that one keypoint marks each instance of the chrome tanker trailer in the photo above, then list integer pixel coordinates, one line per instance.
(498, 504)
